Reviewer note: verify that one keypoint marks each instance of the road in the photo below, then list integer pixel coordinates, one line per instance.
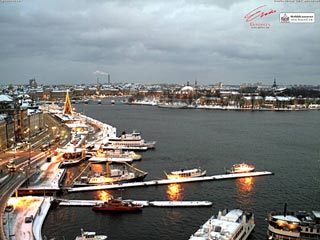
(26, 161)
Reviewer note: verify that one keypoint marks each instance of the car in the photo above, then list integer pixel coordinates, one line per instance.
(9, 208)
(11, 166)
(28, 219)
(44, 147)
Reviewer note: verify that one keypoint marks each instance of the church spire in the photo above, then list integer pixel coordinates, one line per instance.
(67, 105)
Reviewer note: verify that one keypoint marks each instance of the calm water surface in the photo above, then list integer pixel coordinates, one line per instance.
(285, 143)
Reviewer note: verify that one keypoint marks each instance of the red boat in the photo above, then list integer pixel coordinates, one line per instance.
(117, 205)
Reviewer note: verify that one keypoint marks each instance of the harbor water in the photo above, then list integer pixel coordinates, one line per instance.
(285, 143)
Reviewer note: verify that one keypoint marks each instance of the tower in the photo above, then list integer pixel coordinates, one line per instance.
(67, 105)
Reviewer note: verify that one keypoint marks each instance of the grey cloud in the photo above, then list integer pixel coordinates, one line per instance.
(208, 38)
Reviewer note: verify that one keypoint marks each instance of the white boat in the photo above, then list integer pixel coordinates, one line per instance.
(233, 225)
(134, 136)
(294, 225)
(186, 173)
(71, 156)
(90, 236)
(175, 105)
(135, 145)
(101, 159)
(241, 168)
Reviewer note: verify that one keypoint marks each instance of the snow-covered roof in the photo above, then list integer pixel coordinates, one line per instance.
(187, 88)
(5, 98)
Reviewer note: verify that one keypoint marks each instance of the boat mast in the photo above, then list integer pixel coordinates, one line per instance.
(108, 171)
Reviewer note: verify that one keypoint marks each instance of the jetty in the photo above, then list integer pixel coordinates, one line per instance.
(90, 203)
(168, 181)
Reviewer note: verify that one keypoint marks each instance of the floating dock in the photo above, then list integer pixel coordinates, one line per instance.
(168, 181)
(90, 203)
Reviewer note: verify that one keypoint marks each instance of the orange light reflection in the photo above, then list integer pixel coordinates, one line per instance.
(245, 184)
(174, 192)
(103, 195)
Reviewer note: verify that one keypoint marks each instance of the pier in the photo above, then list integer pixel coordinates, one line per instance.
(169, 181)
(144, 203)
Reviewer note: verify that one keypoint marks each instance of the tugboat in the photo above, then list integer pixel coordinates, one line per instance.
(186, 173)
(232, 225)
(294, 225)
(117, 205)
(90, 236)
(241, 168)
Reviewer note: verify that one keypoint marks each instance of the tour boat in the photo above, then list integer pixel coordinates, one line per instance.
(134, 136)
(186, 173)
(232, 225)
(114, 156)
(135, 145)
(71, 156)
(294, 225)
(241, 168)
(115, 173)
(90, 236)
(117, 205)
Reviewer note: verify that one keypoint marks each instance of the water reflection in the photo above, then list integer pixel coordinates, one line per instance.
(244, 187)
(103, 195)
(174, 192)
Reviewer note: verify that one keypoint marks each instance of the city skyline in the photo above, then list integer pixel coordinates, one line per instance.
(153, 42)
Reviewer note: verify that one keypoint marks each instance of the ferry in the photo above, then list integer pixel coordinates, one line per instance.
(90, 236)
(186, 173)
(233, 225)
(117, 155)
(117, 205)
(71, 156)
(241, 168)
(101, 159)
(134, 145)
(114, 174)
(299, 225)
(129, 136)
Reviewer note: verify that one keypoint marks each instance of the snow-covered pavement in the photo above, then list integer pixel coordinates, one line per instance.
(26, 219)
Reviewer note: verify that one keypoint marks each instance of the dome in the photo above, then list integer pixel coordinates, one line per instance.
(187, 89)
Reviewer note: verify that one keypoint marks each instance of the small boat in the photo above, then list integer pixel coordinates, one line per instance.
(232, 225)
(241, 168)
(117, 205)
(90, 236)
(186, 173)
(175, 105)
(299, 225)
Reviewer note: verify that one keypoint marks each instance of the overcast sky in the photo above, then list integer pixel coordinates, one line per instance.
(148, 41)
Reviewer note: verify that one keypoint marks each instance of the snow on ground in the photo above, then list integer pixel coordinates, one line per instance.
(50, 175)
(16, 227)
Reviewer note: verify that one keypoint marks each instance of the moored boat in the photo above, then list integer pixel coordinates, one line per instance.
(241, 168)
(117, 205)
(186, 173)
(72, 156)
(232, 225)
(299, 225)
(135, 145)
(115, 173)
(90, 236)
